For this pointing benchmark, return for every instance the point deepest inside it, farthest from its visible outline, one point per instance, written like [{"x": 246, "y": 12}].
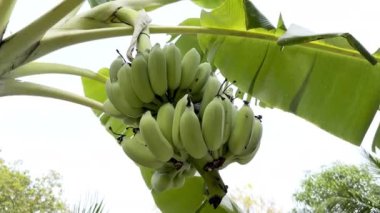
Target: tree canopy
[
  {"x": 339, "y": 188},
  {"x": 21, "y": 193}
]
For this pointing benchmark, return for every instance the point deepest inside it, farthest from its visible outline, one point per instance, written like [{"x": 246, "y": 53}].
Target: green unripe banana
[
  {"x": 115, "y": 96},
  {"x": 203, "y": 73},
  {"x": 178, "y": 110},
  {"x": 211, "y": 90},
  {"x": 162, "y": 181},
  {"x": 253, "y": 145},
  {"x": 153, "y": 137},
  {"x": 173, "y": 66},
  {"x": 140, "y": 79},
  {"x": 125, "y": 81},
  {"x": 165, "y": 117},
  {"x": 157, "y": 70},
  {"x": 137, "y": 150},
  {"x": 104, "y": 118},
  {"x": 241, "y": 130},
  {"x": 213, "y": 124},
  {"x": 255, "y": 137},
  {"x": 191, "y": 133},
  {"x": 228, "y": 110},
  {"x": 189, "y": 171},
  {"x": 110, "y": 109},
  {"x": 178, "y": 180},
  {"x": 114, "y": 68},
  {"x": 189, "y": 65}
]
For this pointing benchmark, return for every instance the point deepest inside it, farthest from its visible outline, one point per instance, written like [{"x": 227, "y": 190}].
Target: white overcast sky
[{"x": 51, "y": 134}]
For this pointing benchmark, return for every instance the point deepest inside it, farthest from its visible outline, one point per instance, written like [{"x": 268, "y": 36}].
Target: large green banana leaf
[{"x": 327, "y": 83}]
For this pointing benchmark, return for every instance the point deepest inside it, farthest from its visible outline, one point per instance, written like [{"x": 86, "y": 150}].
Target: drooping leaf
[
  {"x": 331, "y": 86},
  {"x": 185, "y": 200},
  {"x": 298, "y": 35},
  {"x": 208, "y": 3}
]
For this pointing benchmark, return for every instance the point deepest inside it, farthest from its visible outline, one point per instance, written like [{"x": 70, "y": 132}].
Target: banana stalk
[
  {"x": 216, "y": 189},
  {"x": 15, "y": 49},
  {"x": 6, "y": 8},
  {"x": 16, "y": 87},
  {"x": 37, "y": 68}
]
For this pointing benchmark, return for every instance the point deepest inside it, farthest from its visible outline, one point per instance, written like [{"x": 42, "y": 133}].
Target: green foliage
[
  {"x": 332, "y": 86},
  {"x": 19, "y": 193},
  {"x": 90, "y": 204},
  {"x": 340, "y": 188}
]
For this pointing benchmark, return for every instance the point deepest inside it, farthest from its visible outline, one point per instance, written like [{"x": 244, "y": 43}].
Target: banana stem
[
  {"x": 37, "y": 68},
  {"x": 19, "y": 45},
  {"x": 14, "y": 87},
  {"x": 59, "y": 38},
  {"x": 214, "y": 182},
  {"x": 6, "y": 8},
  {"x": 139, "y": 21}
]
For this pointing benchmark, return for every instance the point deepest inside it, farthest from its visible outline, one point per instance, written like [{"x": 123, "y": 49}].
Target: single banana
[
  {"x": 255, "y": 137},
  {"x": 178, "y": 110},
  {"x": 191, "y": 133},
  {"x": 137, "y": 150},
  {"x": 189, "y": 171},
  {"x": 140, "y": 79},
  {"x": 110, "y": 109},
  {"x": 162, "y": 181},
  {"x": 157, "y": 70},
  {"x": 173, "y": 66},
  {"x": 165, "y": 117},
  {"x": 211, "y": 90},
  {"x": 253, "y": 145},
  {"x": 104, "y": 118},
  {"x": 178, "y": 180},
  {"x": 241, "y": 129},
  {"x": 213, "y": 124},
  {"x": 179, "y": 94},
  {"x": 132, "y": 122},
  {"x": 228, "y": 108},
  {"x": 125, "y": 81},
  {"x": 114, "y": 68},
  {"x": 115, "y": 96},
  {"x": 154, "y": 138},
  {"x": 203, "y": 73},
  {"x": 189, "y": 65}
]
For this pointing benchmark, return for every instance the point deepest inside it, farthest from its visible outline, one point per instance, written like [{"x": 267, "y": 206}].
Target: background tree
[
  {"x": 339, "y": 188},
  {"x": 21, "y": 193}
]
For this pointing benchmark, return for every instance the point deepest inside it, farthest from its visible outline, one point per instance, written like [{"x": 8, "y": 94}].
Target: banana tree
[{"x": 330, "y": 79}]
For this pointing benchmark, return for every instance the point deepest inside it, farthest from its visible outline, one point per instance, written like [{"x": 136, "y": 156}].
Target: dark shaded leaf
[
  {"x": 255, "y": 19},
  {"x": 281, "y": 24}
]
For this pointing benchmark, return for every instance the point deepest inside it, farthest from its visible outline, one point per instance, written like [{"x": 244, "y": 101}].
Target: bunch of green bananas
[{"x": 180, "y": 112}]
